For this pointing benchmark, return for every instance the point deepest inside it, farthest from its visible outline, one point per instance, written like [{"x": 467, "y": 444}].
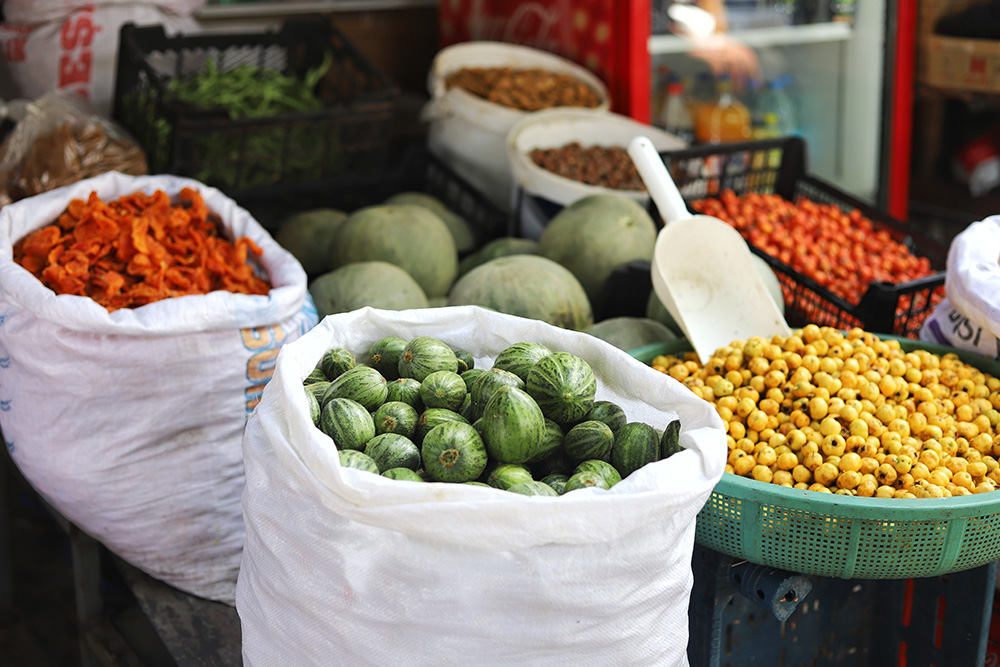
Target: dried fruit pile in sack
[{"x": 138, "y": 249}]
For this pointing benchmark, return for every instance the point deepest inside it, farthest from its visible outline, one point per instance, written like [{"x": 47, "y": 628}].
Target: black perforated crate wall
[
  {"x": 778, "y": 166},
  {"x": 349, "y": 135}
]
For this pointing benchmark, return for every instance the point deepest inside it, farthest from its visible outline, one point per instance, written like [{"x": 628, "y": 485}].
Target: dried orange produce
[{"x": 138, "y": 249}]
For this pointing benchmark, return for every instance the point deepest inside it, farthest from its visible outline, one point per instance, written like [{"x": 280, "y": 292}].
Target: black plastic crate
[
  {"x": 350, "y": 134},
  {"x": 746, "y": 614},
  {"x": 778, "y": 166},
  {"x": 418, "y": 170}
]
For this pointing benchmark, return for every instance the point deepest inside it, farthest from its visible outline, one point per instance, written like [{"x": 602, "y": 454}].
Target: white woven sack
[
  {"x": 75, "y": 48},
  {"x": 345, "y": 567},
  {"x": 130, "y": 422},
  {"x": 36, "y": 11},
  {"x": 469, "y": 132},
  {"x": 969, "y": 317}
]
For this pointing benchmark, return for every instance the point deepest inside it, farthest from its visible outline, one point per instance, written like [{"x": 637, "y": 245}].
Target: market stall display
[
  {"x": 884, "y": 482},
  {"x": 469, "y": 130},
  {"x": 452, "y": 546},
  {"x": 249, "y": 111},
  {"x": 128, "y": 420},
  {"x": 561, "y": 155},
  {"x": 778, "y": 166}
]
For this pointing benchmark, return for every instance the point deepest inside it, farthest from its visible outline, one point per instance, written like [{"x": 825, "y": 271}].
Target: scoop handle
[{"x": 657, "y": 179}]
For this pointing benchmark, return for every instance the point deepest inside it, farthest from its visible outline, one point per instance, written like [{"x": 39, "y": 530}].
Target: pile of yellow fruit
[{"x": 850, "y": 413}]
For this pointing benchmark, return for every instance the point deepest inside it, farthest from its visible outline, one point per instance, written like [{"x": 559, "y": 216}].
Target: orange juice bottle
[{"x": 724, "y": 120}]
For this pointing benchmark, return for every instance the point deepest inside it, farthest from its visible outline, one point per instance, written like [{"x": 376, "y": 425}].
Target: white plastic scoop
[{"x": 702, "y": 269}]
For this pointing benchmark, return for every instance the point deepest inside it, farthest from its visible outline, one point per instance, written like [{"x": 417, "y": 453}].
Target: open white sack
[
  {"x": 346, "y": 567},
  {"x": 969, "y": 316},
  {"x": 130, "y": 422}
]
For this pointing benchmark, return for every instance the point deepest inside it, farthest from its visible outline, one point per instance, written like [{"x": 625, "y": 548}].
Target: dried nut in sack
[
  {"x": 527, "y": 89},
  {"x": 603, "y": 166}
]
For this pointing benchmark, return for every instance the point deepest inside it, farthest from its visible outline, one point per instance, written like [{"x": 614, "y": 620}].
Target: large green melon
[
  {"x": 375, "y": 284},
  {"x": 308, "y": 235},
  {"x": 411, "y": 237},
  {"x": 505, "y": 246},
  {"x": 527, "y": 286},
  {"x": 461, "y": 231},
  {"x": 596, "y": 234},
  {"x": 628, "y": 333}
]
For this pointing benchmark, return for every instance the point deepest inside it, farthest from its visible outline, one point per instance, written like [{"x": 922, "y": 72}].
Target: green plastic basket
[{"x": 847, "y": 536}]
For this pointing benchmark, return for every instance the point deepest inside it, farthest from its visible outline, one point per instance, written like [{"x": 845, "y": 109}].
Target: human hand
[{"x": 725, "y": 55}]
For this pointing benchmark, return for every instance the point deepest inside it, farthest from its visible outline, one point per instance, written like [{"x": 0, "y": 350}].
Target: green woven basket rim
[{"x": 871, "y": 509}]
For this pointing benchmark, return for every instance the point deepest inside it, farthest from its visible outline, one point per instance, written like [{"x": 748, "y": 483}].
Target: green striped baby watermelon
[
  {"x": 470, "y": 377},
  {"x": 363, "y": 384},
  {"x": 335, "y": 362},
  {"x": 317, "y": 389},
  {"x": 392, "y": 450},
  {"x": 520, "y": 357},
  {"x": 558, "y": 462},
  {"x": 513, "y": 426},
  {"x": 316, "y": 375},
  {"x": 453, "y": 452},
  {"x": 506, "y": 475},
  {"x": 384, "y": 354},
  {"x": 533, "y": 488},
  {"x": 487, "y": 384},
  {"x": 347, "y": 422},
  {"x": 636, "y": 444},
  {"x": 552, "y": 441},
  {"x": 314, "y": 409},
  {"x": 352, "y": 458},
  {"x": 589, "y": 440},
  {"x": 670, "y": 442},
  {"x": 557, "y": 481},
  {"x": 608, "y": 412},
  {"x": 582, "y": 480},
  {"x": 403, "y": 473},
  {"x": 405, "y": 390},
  {"x": 443, "y": 389},
  {"x": 602, "y": 468},
  {"x": 465, "y": 360},
  {"x": 423, "y": 355},
  {"x": 564, "y": 387},
  {"x": 396, "y": 417},
  {"x": 432, "y": 417}
]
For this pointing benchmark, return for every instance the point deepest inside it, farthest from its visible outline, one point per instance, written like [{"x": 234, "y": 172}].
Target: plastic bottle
[
  {"x": 774, "y": 111},
  {"x": 660, "y": 84},
  {"x": 701, "y": 94},
  {"x": 676, "y": 117},
  {"x": 725, "y": 120}
]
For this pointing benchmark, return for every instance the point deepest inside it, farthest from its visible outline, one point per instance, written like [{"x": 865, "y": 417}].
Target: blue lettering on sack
[
  {"x": 264, "y": 343},
  {"x": 4, "y": 362},
  {"x": 11, "y": 447},
  {"x": 5, "y": 405}
]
